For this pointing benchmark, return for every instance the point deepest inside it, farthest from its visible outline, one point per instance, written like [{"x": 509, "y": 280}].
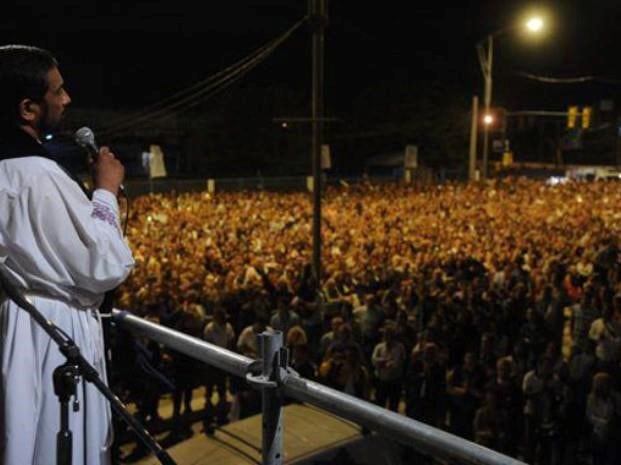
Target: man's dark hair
[{"x": 23, "y": 72}]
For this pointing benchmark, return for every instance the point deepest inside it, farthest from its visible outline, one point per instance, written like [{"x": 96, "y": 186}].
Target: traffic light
[
  {"x": 586, "y": 117},
  {"x": 572, "y": 114}
]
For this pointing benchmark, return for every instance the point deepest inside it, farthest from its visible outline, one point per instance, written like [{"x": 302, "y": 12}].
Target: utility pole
[
  {"x": 474, "y": 132},
  {"x": 318, "y": 20},
  {"x": 487, "y": 66}
]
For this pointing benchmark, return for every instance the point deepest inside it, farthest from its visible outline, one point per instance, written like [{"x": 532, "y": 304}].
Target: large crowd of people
[{"x": 491, "y": 310}]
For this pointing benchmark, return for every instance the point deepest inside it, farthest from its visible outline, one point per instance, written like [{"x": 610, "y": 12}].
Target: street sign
[{"x": 411, "y": 157}]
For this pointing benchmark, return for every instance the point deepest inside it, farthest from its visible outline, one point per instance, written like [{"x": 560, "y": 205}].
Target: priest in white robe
[{"x": 64, "y": 250}]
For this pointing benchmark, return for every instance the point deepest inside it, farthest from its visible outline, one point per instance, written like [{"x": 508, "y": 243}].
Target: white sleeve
[{"x": 57, "y": 239}]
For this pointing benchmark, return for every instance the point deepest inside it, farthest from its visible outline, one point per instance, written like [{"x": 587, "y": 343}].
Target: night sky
[
  {"x": 130, "y": 53},
  {"x": 387, "y": 64}
]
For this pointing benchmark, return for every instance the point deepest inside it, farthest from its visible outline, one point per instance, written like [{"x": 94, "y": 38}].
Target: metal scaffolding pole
[{"x": 272, "y": 357}]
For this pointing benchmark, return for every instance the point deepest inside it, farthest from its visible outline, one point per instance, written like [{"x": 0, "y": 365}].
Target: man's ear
[{"x": 28, "y": 110}]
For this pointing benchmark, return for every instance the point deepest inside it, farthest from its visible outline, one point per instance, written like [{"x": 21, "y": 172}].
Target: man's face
[{"x": 53, "y": 104}]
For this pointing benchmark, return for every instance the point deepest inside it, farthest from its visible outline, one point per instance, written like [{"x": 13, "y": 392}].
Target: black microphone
[{"x": 85, "y": 138}]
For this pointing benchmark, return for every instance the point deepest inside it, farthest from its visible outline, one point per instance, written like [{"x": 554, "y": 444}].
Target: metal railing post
[
  {"x": 271, "y": 345},
  {"x": 273, "y": 362}
]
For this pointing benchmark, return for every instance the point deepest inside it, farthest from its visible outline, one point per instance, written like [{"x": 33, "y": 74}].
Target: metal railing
[{"x": 271, "y": 374}]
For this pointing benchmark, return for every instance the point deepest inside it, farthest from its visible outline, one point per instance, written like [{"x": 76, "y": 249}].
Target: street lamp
[
  {"x": 485, "y": 53},
  {"x": 534, "y": 24}
]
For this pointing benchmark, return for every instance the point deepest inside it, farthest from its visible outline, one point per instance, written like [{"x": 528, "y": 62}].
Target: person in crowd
[
  {"x": 220, "y": 333},
  {"x": 247, "y": 401},
  {"x": 464, "y": 388},
  {"x": 536, "y": 400},
  {"x": 485, "y": 424},
  {"x": 296, "y": 336},
  {"x": 605, "y": 332},
  {"x": 302, "y": 363},
  {"x": 284, "y": 318},
  {"x": 404, "y": 331},
  {"x": 370, "y": 317},
  {"x": 425, "y": 385},
  {"x": 508, "y": 397},
  {"x": 533, "y": 336},
  {"x": 247, "y": 343},
  {"x": 328, "y": 337},
  {"x": 389, "y": 359},
  {"x": 311, "y": 321},
  {"x": 187, "y": 373},
  {"x": 584, "y": 314},
  {"x": 343, "y": 370},
  {"x": 601, "y": 412},
  {"x": 547, "y": 398}
]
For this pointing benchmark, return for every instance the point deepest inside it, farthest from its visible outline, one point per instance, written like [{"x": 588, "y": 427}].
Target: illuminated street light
[
  {"x": 535, "y": 24},
  {"x": 488, "y": 119},
  {"x": 485, "y": 53}
]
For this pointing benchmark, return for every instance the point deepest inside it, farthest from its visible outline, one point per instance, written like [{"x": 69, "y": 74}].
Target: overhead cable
[
  {"x": 200, "y": 91},
  {"x": 572, "y": 80}
]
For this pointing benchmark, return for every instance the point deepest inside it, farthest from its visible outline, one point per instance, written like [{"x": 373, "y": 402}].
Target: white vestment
[{"x": 64, "y": 252}]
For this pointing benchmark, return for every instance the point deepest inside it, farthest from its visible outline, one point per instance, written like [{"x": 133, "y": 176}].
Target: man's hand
[{"x": 108, "y": 172}]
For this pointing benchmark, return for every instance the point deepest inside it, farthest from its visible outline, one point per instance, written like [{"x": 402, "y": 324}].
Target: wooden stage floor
[{"x": 307, "y": 431}]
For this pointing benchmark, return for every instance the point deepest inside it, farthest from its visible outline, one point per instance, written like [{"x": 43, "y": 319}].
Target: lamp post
[{"x": 485, "y": 53}]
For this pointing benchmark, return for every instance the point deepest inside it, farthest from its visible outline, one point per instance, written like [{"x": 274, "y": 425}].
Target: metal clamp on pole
[
  {"x": 273, "y": 363},
  {"x": 271, "y": 370}
]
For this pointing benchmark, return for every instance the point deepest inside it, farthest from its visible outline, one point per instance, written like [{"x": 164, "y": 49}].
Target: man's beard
[{"x": 46, "y": 124}]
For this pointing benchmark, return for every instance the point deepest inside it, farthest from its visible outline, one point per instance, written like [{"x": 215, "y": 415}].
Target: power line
[
  {"x": 177, "y": 95},
  {"x": 572, "y": 80},
  {"x": 201, "y": 91},
  {"x": 205, "y": 87}
]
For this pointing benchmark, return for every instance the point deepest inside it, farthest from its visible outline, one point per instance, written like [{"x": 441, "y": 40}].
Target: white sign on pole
[
  {"x": 157, "y": 168},
  {"x": 410, "y": 161},
  {"x": 326, "y": 159}
]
